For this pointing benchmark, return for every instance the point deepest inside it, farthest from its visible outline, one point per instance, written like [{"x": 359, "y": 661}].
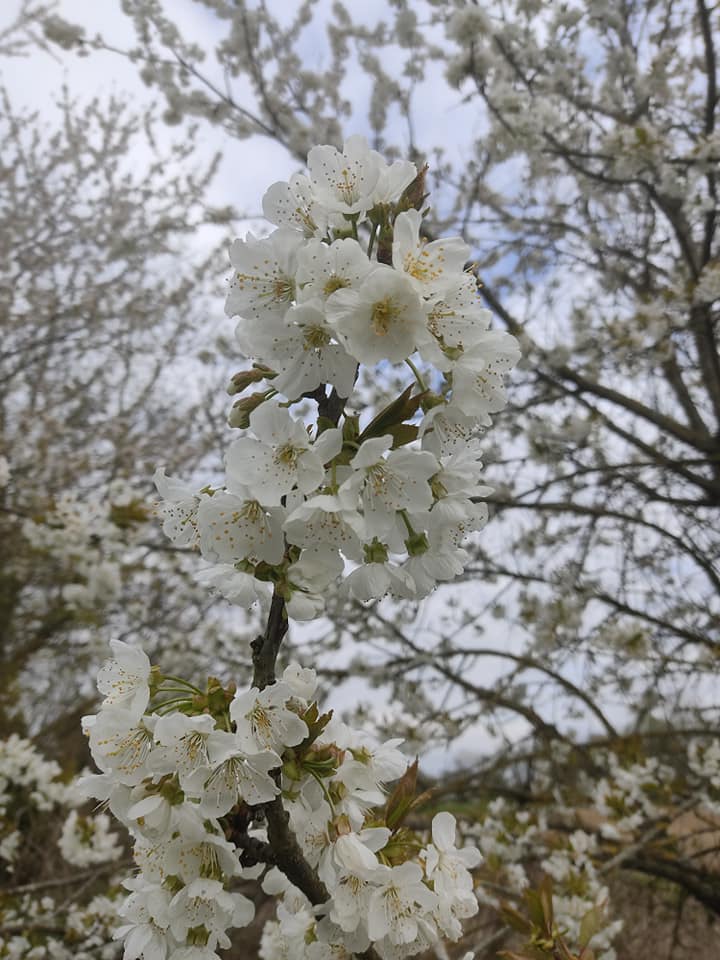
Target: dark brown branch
[
  {"x": 266, "y": 646},
  {"x": 701, "y": 884}
]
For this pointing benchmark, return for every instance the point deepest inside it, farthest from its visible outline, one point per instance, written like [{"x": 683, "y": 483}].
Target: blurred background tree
[{"x": 573, "y": 672}]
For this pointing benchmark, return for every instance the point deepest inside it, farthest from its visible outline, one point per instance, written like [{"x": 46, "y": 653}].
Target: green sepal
[
  {"x": 417, "y": 544},
  {"x": 375, "y": 552}
]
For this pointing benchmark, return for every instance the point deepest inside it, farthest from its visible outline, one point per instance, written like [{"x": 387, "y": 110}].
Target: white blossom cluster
[
  {"x": 347, "y": 279},
  {"x": 704, "y": 761},
  {"x": 512, "y": 839},
  {"x": 27, "y": 780},
  {"x": 579, "y": 889},
  {"x": 85, "y": 841},
  {"x": 33, "y": 924},
  {"x": 632, "y": 795},
  {"x": 92, "y": 539},
  {"x": 191, "y": 775},
  {"x": 39, "y": 929}
]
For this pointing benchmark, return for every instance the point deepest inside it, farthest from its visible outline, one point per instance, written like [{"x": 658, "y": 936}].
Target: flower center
[
  {"x": 261, "y": 724},
  {"x": 384, "y": 313},
  {"x": 251, "y": 510},
  {"x": 315, "y": 338},
  {"x": 195, "y": 747},
  {"x": 287, "y": 455},
  {"x": 421, "y": 266},
  {"x": 283, "y": 289},
  {"x": 346, "y": 186},
  {"x": 333, "y": 283}
]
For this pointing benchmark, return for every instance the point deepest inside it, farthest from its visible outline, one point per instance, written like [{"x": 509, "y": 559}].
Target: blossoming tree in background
[{"x": 586, "y": 193}]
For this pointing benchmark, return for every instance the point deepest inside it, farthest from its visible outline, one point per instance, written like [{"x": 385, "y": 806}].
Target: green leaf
[
  {"x": 403, "y": 433},
  {"x": 515, "y": 919},
  {"x": 402, "y": 408},
  {"x": 591, "y": 924},
  {"x": 400, "y": 800}
]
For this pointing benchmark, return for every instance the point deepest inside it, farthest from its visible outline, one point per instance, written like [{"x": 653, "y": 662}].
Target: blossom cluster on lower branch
[
  {"x": 200, "y": 777},
  {"x": 61, "y": 914}
]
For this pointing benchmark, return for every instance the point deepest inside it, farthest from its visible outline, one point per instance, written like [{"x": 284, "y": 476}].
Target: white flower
[
  {"x": 264, "y": 282},
  {"x": 194, "y": 953},
  {"x": 312, "y": 830},
  {"x": 323, "y": 270},
  {"x": 448, "y": 524},
  {"x": 124, "y": 679},
  {"x": 368, "y": 765},
  {"x": 398, "y": 899},
  {"x": 194, "y": 853},
  {"x": 179, "y": 509},
  {"x": 383, "y": 319},
  {"x": 309, "y": 577},
  {"x": 445, "y": 864},
  {"x": 459, "y": 320},
  {"x": 301, "y": 680},
  {"x": 292, "y": 204},
  {"x": 263, "y": 721},
  {"x": 387, "y": 484},
  {"x": 285, "y": 458},
  {"x": 393, "y": 180},
  {"x": 236, "y": 586},
  {"x": 120, "y": 744},
  {"x": 355, "y": 852},
  {"x": 477, "y": 375},
  {"x": 146, "y": 909},
  {"x": 344, "y": 182},
  {"x": 445, "y": 430},
  {"x": 206, "y": 903},
  {"x": 372, "y": 581},
  {"x": 300, "y": 349},
  {"x": 233, "y": 776},
  {"x": 350, "y": 901},
  {"x": 183, "y": 743},
  {"x": 317, "y": 567},
  {"x": 151, "y": 815},
  {"x": 9, "y": 845},
  {"x": 232, "y": 528},
  {"x": 327, "y": 519},
  {"x": 433, "y": 268}
]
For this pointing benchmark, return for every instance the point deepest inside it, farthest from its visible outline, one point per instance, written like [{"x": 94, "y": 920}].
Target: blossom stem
[
  {"x": 406, "y": 521},
  {"x": 171, "y": 703},
  {"x": 416, "y": 372},
  {"x": 371, "y": 242},
  {"x": 322, "y": 786},
  {"x": 181, "y": 682}
]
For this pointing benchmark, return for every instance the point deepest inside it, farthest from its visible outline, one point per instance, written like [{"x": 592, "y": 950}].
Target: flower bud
[
  {"x": 243, "y": 378},
  {"x": 240, "y": 414},
  {"x": 414, "y": 195}
]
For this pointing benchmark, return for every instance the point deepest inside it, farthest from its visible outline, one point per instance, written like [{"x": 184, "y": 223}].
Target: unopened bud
[
  {"x": 414, "y": 195},
  {"x": 384, "y": 245},
  {"x": 240, "y": 414},
  {"x": 243, "y": 378}
]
